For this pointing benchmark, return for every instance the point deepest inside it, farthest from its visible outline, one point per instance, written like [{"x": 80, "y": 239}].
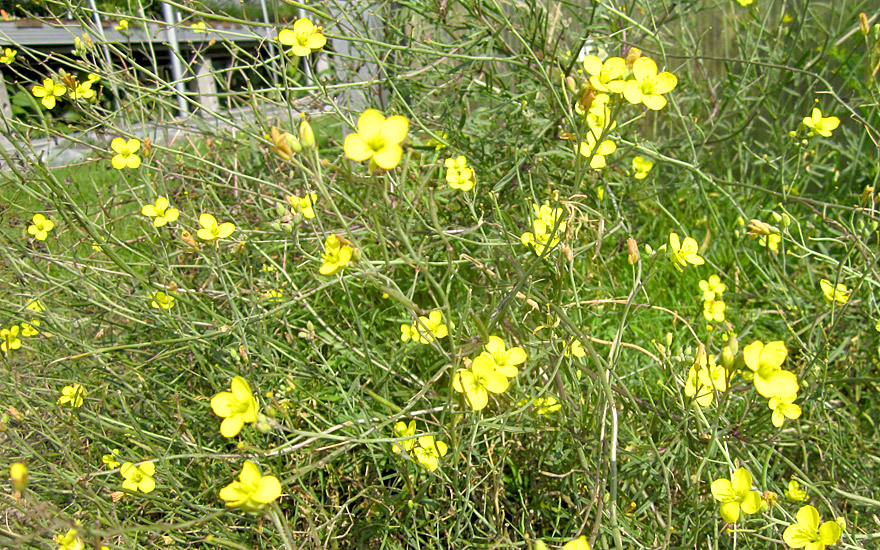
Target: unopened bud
[
  {"x": 571, "y": 84},
  {"x": 586, "y": 99},
  {"x": 306, "y": 134},
  {"x": 757, "y": 227},
  {"x": 633, "y": 56},
  {"x": 727, "y": 357},
  {"x": 632, "y": 248},
  {"x": 864, "y": 26}
]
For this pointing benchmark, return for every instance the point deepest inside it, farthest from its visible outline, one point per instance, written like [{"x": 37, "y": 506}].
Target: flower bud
[
  {"x": 757, "y": 227},
  {"x": 571, "y": 84},
  {"x": 864, "y": 26},
  {"x": 633, "y": 56},
  {"x": 306, "y": 134},
  {"x": 632, "y": 251}
]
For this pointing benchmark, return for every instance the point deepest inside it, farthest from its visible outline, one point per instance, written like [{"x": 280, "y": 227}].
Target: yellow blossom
[
  {"x": 211, "y": 230},
  {"x": 110, "y": 459},
  {"x": 794, "y": 493},
  {"x": 770, "y": 241},
  {"x": 648, "y": 87},
  {"x": 501, "y": 359},
  {"x": 546, "y": 405},
  {"x": 82, "y": 90},
  {"x": 304, "y": 206},
  {"x": 809, "y": 533},
  {"x": 41, "y": 227},
  {"x": 122, "y": 26},
  {"x": 8, "y": 56},
  {"x": 641, "y": 166},
  {"x": 712, "y": 288},
  {"x": 784, "y": 407},
  {"x": 252, "y": 491},
  {"x": 595, "y": 150},
  {"x": 236, "y": 407},
  {"x": 736, "y": 495},
  {"x": 428, "y": 452},
  {"x": 704, "y": 377},
  {"x": 125, "y": 156},
  {"x": 478, "y": 382},
  {"x": 713, "y": 310},
  {"x": 18, "y": 473},
  {"x": 607, "y": 76},
  {"x": 162, "y": 300},
  {"x": 138, "y": 477},
  {"x": 425, "y": 329},
  {"x": 576, "y": 349},
  {"x": 404, "y": 430},
  {"x": 765, "y": 361},
  {"x": 819, "y": 125},
  {"x": 161, "y": 211},
  {"x": 579, "y": 543},
  {"x": 336, "y": 255},
  {"x": 304, "y": 39},
  {"x": 834, "y": 293},
  {"x": 458, "y": 174},
  {"x": 69, "y": 541},
  {"x": 72, "y": 396},
  {"x": 30, "y": 329},
  {"x": 377, "y": 139},
  {"x": 199, "y": 27},
  {"x": 9, "y": 339},
  {"x": 48, "y": 92},
  {"x": 684, "y": 253}
]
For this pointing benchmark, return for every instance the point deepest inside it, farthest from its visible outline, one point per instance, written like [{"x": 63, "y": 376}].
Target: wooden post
[
  {"x": 5, "y": 105},
  {"x": 206, "y": 86}
]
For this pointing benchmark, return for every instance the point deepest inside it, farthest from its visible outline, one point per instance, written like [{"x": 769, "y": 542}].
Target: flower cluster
[
  {"x": 425, "y": 449},
  {"x": 488, "y": 372},
  {"x": 548, "y": 225},
  {"x": 304, "y": 206},
  {"x": 713, "y": 305},
  {"x": 458, "y": 174},
  {"x": 705, "y": 377},
  {"x": 426, "y": 329}
]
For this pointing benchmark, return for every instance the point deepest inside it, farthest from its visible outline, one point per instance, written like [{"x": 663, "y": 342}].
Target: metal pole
[{"x": 176, "y": 68}]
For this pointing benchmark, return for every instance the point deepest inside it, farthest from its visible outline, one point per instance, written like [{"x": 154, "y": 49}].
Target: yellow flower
[
  {"x": 607, "y": 76},
  {"x": 41, "y": 227},
  {"x": 36, "y": 305},
  {"x": 83, "y": 90},
  {"x": 546, "y": 405},
  {"x": 404, "y": 430},
  {"x": 641, "y": 166},
  {"x": 458, "y": 174},
  {"x": 713, "y": 288},
  {"x": 770, "y": 241},
  {"x": 745, "y": 3},
  {"x": 138, "y": 478},
  {"x": 735, "y": 495},
  {"x": 30, "y": 329},
  {"x": 543, "y": 236},
  {"x": 377, "y": 139},
  {"x": 237, "y": 407},
  {"x": 18, "y": 473},
  {"x": 648, "y": 86},
  {"x": 69, "y": 541},
  {"x": 125, "y": 156},
  {"x": 304, "y": 39},
  {"x": 122, "y": 26},
  {"x": 48, "y": 92},
  {"x": 478, "y": 382},
  {"x": 704, "y": 377},
  {"x": 8, "y": 56},
  {"x": 162, "y": 300},
  {"x": 425, "y": 329},
  {"x": 9, "y": 339},
  {"x": 714, "y": 310},
  {"x": 336, "y": 255},
  {"x": 198, "y": 27},
  {"x": 161, "y": 211},
  {"x": 808, "y": 533},
  {"x": 72, "y": 396},
  {"x": 766, "y": 363},
  {"x": 834, "y": 293},
  {"x": 501, "y": 359},
  {"x": 252, "y": 491},
  {"x": 273, "y": 295},
  {"x": 595, "y": 150},
  {"x": 819, "y": 125},
  {"x": 579, "y": 543},
  {"x": 683, "y": 253},
  {"x": 211, "y": 230},
  {"x": 429, "y": 451},
  {"x": 305, "y": 206},
  {"x": 794, "y": 493},
  {"x": 576, "y": 349},
  {"x": 784, "y": 407},
  {"x": 110, "y": 459}
]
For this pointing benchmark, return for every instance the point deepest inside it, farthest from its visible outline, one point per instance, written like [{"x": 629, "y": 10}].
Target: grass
[{"x": 628, "y": 458}]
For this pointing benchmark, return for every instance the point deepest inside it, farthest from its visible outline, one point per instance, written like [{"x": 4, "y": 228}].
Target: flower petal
[{"x": 356, "y": 148}]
